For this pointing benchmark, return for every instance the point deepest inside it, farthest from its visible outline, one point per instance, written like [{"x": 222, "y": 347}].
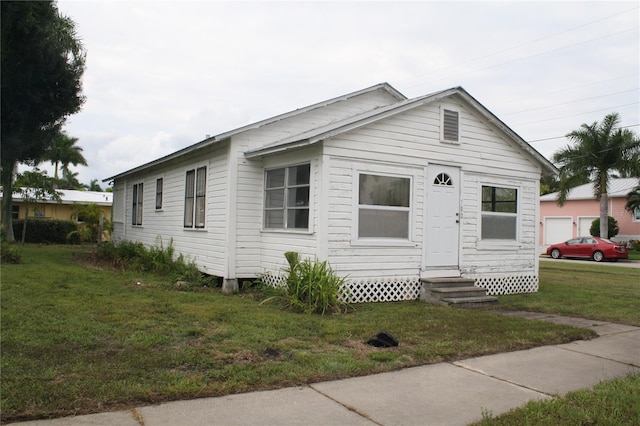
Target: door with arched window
[{"x": 442, "y": 216}]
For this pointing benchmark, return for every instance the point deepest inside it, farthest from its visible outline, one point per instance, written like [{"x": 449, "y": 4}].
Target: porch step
[{"x": 456, "y": 292}]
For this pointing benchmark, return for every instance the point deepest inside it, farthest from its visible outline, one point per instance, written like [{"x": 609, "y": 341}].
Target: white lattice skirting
[
  {"x": 395, "y": 289},
  {"x": 383, "y": 289},
  {"x": 507, "y": 284},
  {"x": 367, "y": 289}
]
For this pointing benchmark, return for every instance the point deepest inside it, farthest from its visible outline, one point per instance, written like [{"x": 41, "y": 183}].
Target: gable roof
[
  {"x": 617, "y": 188},
  {"x": 316, "y": 135},
  {"x": 71, "y": 196},
  {"x": 226, "y": 135}
]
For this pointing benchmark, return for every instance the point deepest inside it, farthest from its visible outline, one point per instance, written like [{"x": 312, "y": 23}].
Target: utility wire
[
  {"x": 571, "y": 102},
  {"x": 564, "y": 137},
  {"x": 534, "y": 41},
  {"x": 576, "y": 115}
]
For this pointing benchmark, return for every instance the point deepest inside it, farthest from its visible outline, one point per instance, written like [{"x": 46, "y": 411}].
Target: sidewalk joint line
[
  {"x": 597, "y": 356},
  {"x": 348, "y": 407},
  {"x": 473, "y": 370}
]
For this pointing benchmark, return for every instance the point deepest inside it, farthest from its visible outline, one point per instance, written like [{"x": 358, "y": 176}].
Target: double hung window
[
  {"x": 383, "y": 206},
  {"x": 136, "y": 208},
  {"x": 159, "y": 185},
  {"x": 286, "y": 203},
  {"x": 195, "y": 198},
  {"x": 499, "y": 213}
]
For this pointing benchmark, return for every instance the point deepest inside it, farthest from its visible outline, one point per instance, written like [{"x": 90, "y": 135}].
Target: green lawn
[
  {"x": 634, "y": 255},
  {"x": 608, "y": 403},
  {"x": 80, "y": 337},
  {"x": 584, "y": 289}
]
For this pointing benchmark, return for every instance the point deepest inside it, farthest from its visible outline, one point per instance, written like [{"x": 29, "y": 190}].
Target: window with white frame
[
  {"x": 136, "y": 208},
  {"x": 450, "y": 125},
  {"x": 195, "y": 197},
  {"x": 636, "y": 214},
  {"x": 383, "y": 206},
  {"x": 286, "y": 197},
  {"x": 499, "y": 213},
  {"x": 159, "y": 189}
]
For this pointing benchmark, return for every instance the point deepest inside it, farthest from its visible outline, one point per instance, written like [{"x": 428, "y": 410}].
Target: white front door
[{"x": 442, "y": 216}]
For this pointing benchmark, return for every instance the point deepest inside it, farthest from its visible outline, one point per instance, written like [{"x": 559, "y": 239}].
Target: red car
[{"x": 595, "y": 248}]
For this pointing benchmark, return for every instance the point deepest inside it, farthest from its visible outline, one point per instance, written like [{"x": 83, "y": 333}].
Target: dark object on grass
[{"x": 383, "y": 340}]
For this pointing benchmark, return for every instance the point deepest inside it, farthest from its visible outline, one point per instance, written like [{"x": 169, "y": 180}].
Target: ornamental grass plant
[{"x": 313, "y": 287}]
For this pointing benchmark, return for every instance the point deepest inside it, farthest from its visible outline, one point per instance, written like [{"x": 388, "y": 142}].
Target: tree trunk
[
  {"x": 7, "y": 195},
  {"x": 604, "y": 215},
  {"x": 24, "y": 224}
]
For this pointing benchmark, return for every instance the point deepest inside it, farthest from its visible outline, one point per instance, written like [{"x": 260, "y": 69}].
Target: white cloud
[{"x": 162, "y": 75}]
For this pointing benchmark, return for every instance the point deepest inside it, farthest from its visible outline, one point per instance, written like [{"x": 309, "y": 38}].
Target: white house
[{"x": 389, "y": 190}]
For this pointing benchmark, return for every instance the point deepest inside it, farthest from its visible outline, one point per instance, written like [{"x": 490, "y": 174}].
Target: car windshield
[{"x": 607, "y": 241}]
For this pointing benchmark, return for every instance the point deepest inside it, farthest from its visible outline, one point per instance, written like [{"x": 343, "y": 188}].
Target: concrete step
[
  {"x": 470, "y": 302},
  {"x": 447, "y": 282},
  {"x": 456, "y": 292}
]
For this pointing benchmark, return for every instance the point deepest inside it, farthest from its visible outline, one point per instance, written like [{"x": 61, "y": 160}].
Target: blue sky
[{"x": 161, "y": 75}]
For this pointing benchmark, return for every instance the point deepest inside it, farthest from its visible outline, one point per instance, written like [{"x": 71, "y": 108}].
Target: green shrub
[
  {"x": 136, "y": 256},
  {"x": 635, "y": 244},
  {"x": 89, "y": 227},
  {"x": 613, "y": 227},
  {"x": 312, "y": 286},
  {"x": 10, "y": 253},
  {"x": 45, "y": 231}
]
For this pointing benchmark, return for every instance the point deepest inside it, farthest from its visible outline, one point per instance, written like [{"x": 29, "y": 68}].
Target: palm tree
[
  {"x": 63, "y": 152},
  {"x": 633, "y": 200},
  {"x": 94, "y": 185},
  {"x": 598, "y": 150}
]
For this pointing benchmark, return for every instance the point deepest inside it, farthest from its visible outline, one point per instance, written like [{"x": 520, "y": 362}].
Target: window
[
  {"x": 443, "y": 179},
  {"x": 286, "y": 202},
  {"x": 450, "y": 125},
  {"x": 383, "y": 206},
  {"x": 195, "y": 197},
  {"x": 15, "y": 212},
  {"x": 159, "y": 184},
  {"x": 636, "y": 214},
  {"x": 136, "y": 210},
  {"x": 499, "y": 213}
]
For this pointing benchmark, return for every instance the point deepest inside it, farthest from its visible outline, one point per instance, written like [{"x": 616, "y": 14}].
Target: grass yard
[
  {"x": 80, "y": 338},
  {"x": 608, "y": 403},
  {"x": 596, "y": 291}
]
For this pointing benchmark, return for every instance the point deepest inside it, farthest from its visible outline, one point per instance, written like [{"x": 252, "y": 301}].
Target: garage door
[
  {"x": 557, "y": 229},
  {"x": 584, "y": 225}
]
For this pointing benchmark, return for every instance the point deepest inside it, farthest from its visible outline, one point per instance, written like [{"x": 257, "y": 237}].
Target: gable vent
[{"x": 450, "y": 125}]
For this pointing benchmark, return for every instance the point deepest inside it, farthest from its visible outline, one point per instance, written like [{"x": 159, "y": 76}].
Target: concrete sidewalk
[{"x": 454, "y": 393}]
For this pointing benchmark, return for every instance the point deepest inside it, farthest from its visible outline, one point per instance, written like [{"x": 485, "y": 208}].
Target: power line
[
  {"x": 564, "y": 137},
  {"x": 533, "y": 42},
  {"x": 576, "y": 115},
  {"x": 571, "y": 102}
]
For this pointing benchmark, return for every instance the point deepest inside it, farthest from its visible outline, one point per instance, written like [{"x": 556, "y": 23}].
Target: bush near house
[
  {"x": 46, "y": 231},
  {"x": 613, "y": 227}
]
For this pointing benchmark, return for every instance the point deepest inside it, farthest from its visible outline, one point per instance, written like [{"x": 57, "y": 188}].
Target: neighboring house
[
  {"x": 387, "y": 189},
  {"x": 63, "y": 209},
  {"x": 574, "y": 218}
]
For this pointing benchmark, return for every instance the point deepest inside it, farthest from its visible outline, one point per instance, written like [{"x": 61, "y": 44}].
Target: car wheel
[
  {"x": 598, "y": 256},
  {"x": 555, "y": 253}
]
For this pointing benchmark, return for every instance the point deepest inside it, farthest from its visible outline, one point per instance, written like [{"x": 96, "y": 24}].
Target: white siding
[
  {"x": 206, "y": 247},
  {"x": 410, "y": 143},
  {"x": 269, "y": 246},
  {"x": 235, "y": 245}
]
